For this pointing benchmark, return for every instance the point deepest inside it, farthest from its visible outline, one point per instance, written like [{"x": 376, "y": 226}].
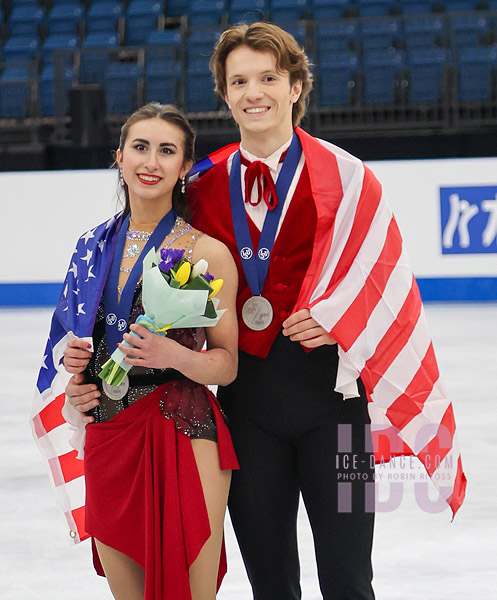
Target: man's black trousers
[{"x": 293, "y": 434}]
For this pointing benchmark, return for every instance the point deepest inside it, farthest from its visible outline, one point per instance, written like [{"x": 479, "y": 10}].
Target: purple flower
[
  {"x": 170, "y": 257},
  {"x": 208, "y": 276}
]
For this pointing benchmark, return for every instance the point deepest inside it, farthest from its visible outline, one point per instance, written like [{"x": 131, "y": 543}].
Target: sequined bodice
[{"x": 191, "y": 338}]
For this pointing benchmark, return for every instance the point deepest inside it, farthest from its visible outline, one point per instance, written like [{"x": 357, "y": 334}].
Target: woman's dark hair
[{"x": 171, "y": 115}]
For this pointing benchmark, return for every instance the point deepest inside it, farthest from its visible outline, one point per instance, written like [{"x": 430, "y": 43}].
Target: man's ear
[
  {"x": 296, "y": 90},
  {"x": 227, "y": 103}
]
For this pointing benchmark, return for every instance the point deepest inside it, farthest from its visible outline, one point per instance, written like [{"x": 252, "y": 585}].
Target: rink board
[{"x": 446, "y": 210}]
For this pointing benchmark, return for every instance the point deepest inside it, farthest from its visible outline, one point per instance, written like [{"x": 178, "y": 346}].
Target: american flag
[
  {"x": 361, "y": 289},
  {"x": 73, "y": 316}
]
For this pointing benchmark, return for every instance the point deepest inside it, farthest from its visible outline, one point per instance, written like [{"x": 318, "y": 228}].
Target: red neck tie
[{"x": 257, "y": 170}]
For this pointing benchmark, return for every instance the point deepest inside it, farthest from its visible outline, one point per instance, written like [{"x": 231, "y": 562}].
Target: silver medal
[
  {"x": 116, "y": 392},
  {"x": 257, "y": 313}
]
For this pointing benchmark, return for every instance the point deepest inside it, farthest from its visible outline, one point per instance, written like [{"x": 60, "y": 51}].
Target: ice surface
[{"x": 417, "y": 555}]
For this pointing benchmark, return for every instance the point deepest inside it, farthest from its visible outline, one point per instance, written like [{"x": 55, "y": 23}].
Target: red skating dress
[{"x": 143, "y": 491}]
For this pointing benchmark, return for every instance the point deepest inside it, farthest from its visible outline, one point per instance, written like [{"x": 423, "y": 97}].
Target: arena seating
[
  {"x": 366, "y": 53},
  {"x": 248, "y": 10},
  {"x": 142, "y": 17},
  {"x": 65, "y": 18}
]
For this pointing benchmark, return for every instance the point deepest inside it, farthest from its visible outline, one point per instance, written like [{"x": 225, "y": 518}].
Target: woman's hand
[
  {"x": 150, "y": 350},
  {"x": 301, "y": 327},
  {"x": 216, "y": 366},
  {"x": 82, "y": 396},
  {"x": 77, "y": 355}
]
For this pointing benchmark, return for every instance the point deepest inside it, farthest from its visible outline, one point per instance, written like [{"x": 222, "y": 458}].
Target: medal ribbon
[
  {"x": 255, "y": 266},
  {"x": 117, "y": 312}
]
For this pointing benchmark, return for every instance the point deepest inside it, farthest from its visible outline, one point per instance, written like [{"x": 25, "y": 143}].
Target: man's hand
[
  {"x": 77, "y": 355},
  {"x": 301, "y": 327},
  {"x": 82, "y": 396}
]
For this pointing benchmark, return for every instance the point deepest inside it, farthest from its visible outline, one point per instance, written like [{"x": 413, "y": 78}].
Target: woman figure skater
[{"x": 158, "y": 455}]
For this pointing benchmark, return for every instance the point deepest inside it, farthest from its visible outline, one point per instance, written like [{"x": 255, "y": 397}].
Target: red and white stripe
[
  {"x": 52, "y": 434},
  {"x": 364, "y": 293}
]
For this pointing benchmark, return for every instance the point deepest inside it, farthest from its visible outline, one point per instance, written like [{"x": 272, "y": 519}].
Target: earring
[
  {"x": 183, "y": 185},
  {"x": 121, "y": 178}
]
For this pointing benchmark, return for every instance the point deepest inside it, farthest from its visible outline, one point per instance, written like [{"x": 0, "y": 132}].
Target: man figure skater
[{"x": 315, "y": 246}]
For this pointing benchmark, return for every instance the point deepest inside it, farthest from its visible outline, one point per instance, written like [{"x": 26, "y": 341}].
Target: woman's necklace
[
  {"x": 133, "y": 250},
  {"x": 179, "y": 229}
]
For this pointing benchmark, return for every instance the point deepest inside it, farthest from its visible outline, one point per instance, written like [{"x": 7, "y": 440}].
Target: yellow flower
[
  {"x": 183, "y": 273},
  {"x": 163, "y": 329},
  {"x": 216, "y": 285}
]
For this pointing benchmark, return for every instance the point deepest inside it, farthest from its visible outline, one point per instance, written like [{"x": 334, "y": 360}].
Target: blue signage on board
[{"x": 469, "y": 219}]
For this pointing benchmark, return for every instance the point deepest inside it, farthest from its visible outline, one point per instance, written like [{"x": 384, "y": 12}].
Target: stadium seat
[
  {"x": 328, "y": 9},
  {"x": 460, "y": 5},
  {"x": 476, "y": 73},
  {"x": 199, "y": 92},
  {"x": 201, "y": 43},
  {"x": 413, "y": 7},
  {"x": 162, "y": 61},
  {"x": 375, "y": 8},
  {"x": 468, "y": 30},
  {"x": 298, "y": 30},
  {"x": 339, "y": 36},
  {"x": 59, "y": 41},
  {"x": 338, "y": 79},
  {"x": 105, "y": 39},
  {"x": 287, "y": 10},
  {"x": 103, "y": 16},
  {"x": 121, "y": 80},
  {"x": 142, "y": 18},
  {"x": 176, "y": 8},
  {"x": 424, "y": 32},
  {"x": 206, "y": 12},
  {"x": 54, "y": 97},
  {"x": 384, "y": 33},
  {"x": 96, "y": 52},
  {"x": 168, "y": 38},
  {"x": 247, "y": 11},
  {"x": 65, "y": 18},
  {"x": 14, "y": 93},
  {"x": 426, "y": 74},
  {"x": 21, "y": 48},
  {"x": 24, "y": 3},
  {"x": 381, "y": 76},
  {"x": 26, "y": 19},
  {"x": 161, "y": 81}
]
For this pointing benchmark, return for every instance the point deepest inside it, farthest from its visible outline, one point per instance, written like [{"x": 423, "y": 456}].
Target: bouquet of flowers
[{"x": 175, "y": 293}]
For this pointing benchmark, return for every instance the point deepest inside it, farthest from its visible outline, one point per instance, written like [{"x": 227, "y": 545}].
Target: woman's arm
[{"x": 218, "y": 365}]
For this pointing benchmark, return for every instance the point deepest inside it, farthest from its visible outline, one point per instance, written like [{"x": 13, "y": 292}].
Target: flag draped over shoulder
[
  {"x": 209, "y": 161},
  {"x": 360, "y": 288},
  {"x": 73, "y": 316}
]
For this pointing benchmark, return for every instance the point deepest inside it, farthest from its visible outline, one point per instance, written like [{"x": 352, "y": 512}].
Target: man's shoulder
[
  {"x": 216, "y": 172},
  {"x": 325, "y": 148}
]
